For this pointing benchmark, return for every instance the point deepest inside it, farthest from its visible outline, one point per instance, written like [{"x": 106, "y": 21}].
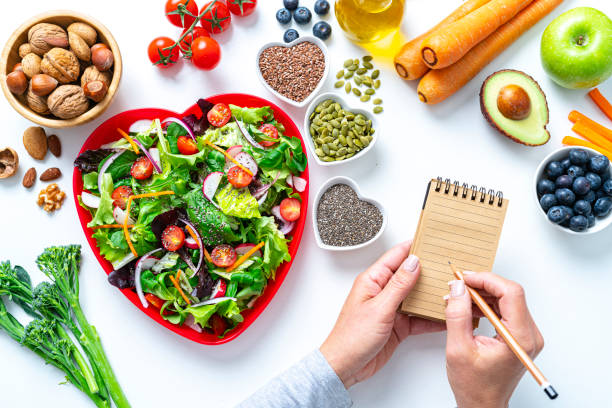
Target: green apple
[{"x": 576, "y": 48}]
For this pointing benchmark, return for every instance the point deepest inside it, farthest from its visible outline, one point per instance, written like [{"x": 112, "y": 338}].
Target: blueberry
[
  {"x": 594, "y": 179},
  {"x": 602, "y": 206},
  {"x": 581, "y": 186},
  {"x": 283, "y": 16},
  {"x": 591, "y": 219},
  {"x": 322, "y": 30},
  {"x": 554, "y": 170},
  {"x": 607, "y": 187},
  {"x": 582, "y": 207},
  {"x": 565, "y": 196},
  {"x": 575, "y": 171},
  {"x": 302, "y": 15},
  {"x": 321, "y": 7},
  {"x": 606, "y": 176},
  {"x": 578, "y": 156},
  {"x": 556, "y": 214},
  {"x": 599, "y": 164},
  {"x": 290, "y": 35},
  {"x": 291, "y": 4},
  {"x": 599, "y": 194},
  {"x": 564, "y": 181},
  {"x": 579, "y": 223},
  {"x": 547, "y": 201},
  {"x": 545, "y": 187},
  {"x": 590, "y": 197},
  {"x": 565, "y": 163},
  {"x": 569, "y": 212}
]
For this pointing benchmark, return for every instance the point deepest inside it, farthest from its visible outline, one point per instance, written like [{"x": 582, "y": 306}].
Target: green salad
[{"x": 194, "y": 213}]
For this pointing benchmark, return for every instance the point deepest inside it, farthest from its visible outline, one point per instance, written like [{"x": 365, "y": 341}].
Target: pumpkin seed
[
  {"x": 319, "y": 152},
  {"x": 369, "y": 91},
  {"x": 368, "y": 64},
  {"x": 353, "y": 67},
  {"x": 377, "y": 84},
  {"x": 340, "y": 74},
  {"x": 365, "y": 98},
  {"x": 357, "y": 80},
  {"x": 356, "y": 61},
  {"x": 377, "y": 101},
  {"x": 338, "y": 158},
  {"x": 361, "y": 71},
  {"x": 348, "y": 63},
  {"x": 328, "y": 158},
  {"x": 347, "y": 87},
  {"x": 367, "y": 58},
  {"x": 378, "y": 109},
  {"x": 338, "y": 84},
  {"x": 325, "y": 148},
  {"x": 375, "y": 74},
  {"x": 348, "y": 74},
  {"x": 356, "y": 91}
]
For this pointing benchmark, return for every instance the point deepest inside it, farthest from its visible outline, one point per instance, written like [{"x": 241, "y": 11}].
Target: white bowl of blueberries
[{"x": 574, "y": 190}]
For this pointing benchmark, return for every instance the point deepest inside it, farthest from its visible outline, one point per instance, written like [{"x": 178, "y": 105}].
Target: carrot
[
  {"x": 220, "y": 150},
  {"x": 130, "y": 140},
  {"x": 207, "y": 255},
  {"x": 408, "y": 62},
  {"x": 439, "y": 84},
  {"x": 110, "y": 226},
  {"x": 574, "y": 141},
  {"x": 126, "y": 233},
  {"x": 192, "y": 233},
  {"x": 592, "y": 136},
  {"x": 576, "y": 116},
  {"x": 601, "y": 102},
  {"x": 244, "y": 257},
  {"x": 178, "y": 287}
]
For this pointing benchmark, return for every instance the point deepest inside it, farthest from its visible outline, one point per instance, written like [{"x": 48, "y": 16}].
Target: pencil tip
[{"x": 550, "y": 391}]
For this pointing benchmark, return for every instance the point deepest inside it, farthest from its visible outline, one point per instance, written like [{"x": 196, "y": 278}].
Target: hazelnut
[
  {"x": 24, "y": 49},
  {"x": 9, "y": 162},
  {"x": 91, "y": 73},
  {"x": 68, "y": 101},
  {"x": 43, "y": 84},
  {"x": 98, "y": 46},
  {"x": 42, "y": 37},
  {"x": 103, "y": 59},
  {"x": 30, "y": 65},
  {"x": 513, "y": 102},
  {"x": 37, "y": 103},
  {"x": 95, "y": 90},
  {"x": 79, "y": 47},
  {"x": 17, "y": 82},
  {"x": 85, "y": 31},
  {"x": 17, "y": 67},
  {"x": 61, "y": 64},
  {"x": 35, "y": 142}
]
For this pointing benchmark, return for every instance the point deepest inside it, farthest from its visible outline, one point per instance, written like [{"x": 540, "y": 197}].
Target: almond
[
  {"x": 51, "y": 173},
  {"x": 55, "y": 146},
  {"x": 35, "y": 142},
  {"x": 29, "y": 178}
]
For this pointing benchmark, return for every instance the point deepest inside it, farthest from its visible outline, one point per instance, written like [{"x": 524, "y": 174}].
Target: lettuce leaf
[
  {"x": 122, "y": 165},
  {"x": 275, "y": 250},
  {"x": 253, "y": 116},
  {"x": 226, "y": 308},
  {"x": 226, "y": 136},
  {"x": 90, "y": 181},
  {"x": 214, "y": 226},
  {"x": 172, "y": 160},
  {"x": 110, "y": 248},
  {"x": 237, "y": 202},
  {"x": 104, "y": 213}
]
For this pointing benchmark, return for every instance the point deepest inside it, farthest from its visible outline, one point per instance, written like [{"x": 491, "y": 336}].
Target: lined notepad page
[{"x": 456, "y": 225}]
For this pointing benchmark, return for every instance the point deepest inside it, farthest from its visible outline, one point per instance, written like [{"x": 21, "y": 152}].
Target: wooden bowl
[{"x": 10, "y": 57}]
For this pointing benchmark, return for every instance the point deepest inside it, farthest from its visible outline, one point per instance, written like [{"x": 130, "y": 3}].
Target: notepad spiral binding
[{"x": 475, "y": 191}]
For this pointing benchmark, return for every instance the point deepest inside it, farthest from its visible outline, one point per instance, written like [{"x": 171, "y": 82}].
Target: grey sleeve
[{"x": 311, "y": 383}]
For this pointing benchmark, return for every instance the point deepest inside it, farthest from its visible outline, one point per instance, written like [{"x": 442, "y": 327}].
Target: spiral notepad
[{"x": 461, "y": 224}]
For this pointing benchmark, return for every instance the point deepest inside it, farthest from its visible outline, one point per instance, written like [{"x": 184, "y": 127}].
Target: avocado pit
[{"x": 513, "y": 102}]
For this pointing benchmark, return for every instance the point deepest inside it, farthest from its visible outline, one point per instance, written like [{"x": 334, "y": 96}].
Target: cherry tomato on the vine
[
  {"x": 188, "y": 39},
  {"x": 174, "y": 9},
  {"x": 206, "y": 53},
  {"x": 271, "y": 131},
  {"x": 217, "y": 17},
  {"x": 241, "y": 7},
  {"x": 219, "y": 115},
  {"x": 156, "y": 50},
  {"x": 186, "y": 145}
]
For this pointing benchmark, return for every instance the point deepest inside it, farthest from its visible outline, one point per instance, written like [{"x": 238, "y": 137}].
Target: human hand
[
  {"x": 369, "y": 328},
  {"x": 483, "y": 371}
]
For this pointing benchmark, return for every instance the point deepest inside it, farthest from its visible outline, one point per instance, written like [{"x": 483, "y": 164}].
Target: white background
[{"x": 567, "y": 278}]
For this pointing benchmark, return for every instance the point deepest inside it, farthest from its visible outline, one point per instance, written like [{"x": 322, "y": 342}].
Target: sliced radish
[
  {"x": 260, "y": 191},
  {"x": 233, "y": 151},
  {"x": 299, "y": 184},
  {"x": 247, "y": 135},
  {"x": 261, "y": 199},
  {"x": 247, "y": 161},
  {"x": 289, "y": 180},
  {"x": 252, "y": 302},
  {"x": 244, "y": 248},
  {"x": 105, "y": 167},
  {"x": 219, "y": 289},
  {"x": 182, "y": 123},
  {"x": 191, "y": 323},
  {"x": 213, "y": 301},
  {"x": 140, "y": 126},
  {"x": 90, "y": 200},
  {"x": 154, "y": 151},
  {"x": 123, "y": 261},
  {"x": 284, "y": 226},
  {"x": 119, "y": 216},
  {"x": 198, "y": 242},
  {"x": 191, "y": 243},
  {"x": 210, "y": 185},
  {"x": 144, "y": 263},
  {"x": 146, "y": 153}
]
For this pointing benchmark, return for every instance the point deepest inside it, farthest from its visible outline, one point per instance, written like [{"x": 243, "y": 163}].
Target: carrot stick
[
  {"x": 574, "y": 141},
  {"x": 592, "y": 136},
  {"x": 576, "y": 116},
  {"x": 601, "y": 102},
  {"x": 244, "y": 257},
  {"x": 192, "y": 233},
  {"x": 408, "y": 62},
  {"x": 110, "y": 226},
  {"x": 127, "y": 214},
  {"x": 207, "y": 255},
  {"x": 220, "y": 150},
  {"x": 439, "y": 84},
  {"x": 178, "y": 287},
  {"x": 130, "y": 140},
  {"x": 450, "y": 43}
]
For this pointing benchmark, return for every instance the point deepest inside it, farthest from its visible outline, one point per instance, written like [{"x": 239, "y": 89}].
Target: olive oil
[{"x": 365, "y": 21}]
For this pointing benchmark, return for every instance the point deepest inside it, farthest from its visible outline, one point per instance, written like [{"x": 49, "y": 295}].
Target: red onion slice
[
  {"x": 182, "y": 123},
  {"x": 191, "y": 323},
  {"x": 154, "y": 151},
  {"x": 105, "y": 167},
  {"x": 264, "y": 189},
  {"x": 199, "y": 241},
  {"x": 151, "y": 159},
  {"x": 123, "y": 261},
  {"x": 213, "y": 301},
  {"x": 138, "y": 272},
  {"x": 247, "y": 135},
  {"x": 261, "y": 199}
]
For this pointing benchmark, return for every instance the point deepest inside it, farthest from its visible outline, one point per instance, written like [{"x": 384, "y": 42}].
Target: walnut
[
  {"x": 37, "y": 103},
  {"x": 9, "y": 162},
  {"x": 61, "y": 64},
  {"x": 42, "y": 37},
  {"x": 79, "y": 47},
  {"x": 85, "y": 31},
  {"x": 24, "y": 49},
  {"x": 91, "y": 74},
  {"x": 51, "y": 198},
  {"x": 68, "y": 101},
  {"x": 30, "y": 65}
]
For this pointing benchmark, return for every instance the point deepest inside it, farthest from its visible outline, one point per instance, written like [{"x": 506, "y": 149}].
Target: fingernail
[
  {"x": 468, "y": 272},
  {"x": 457, "y": 288},
  {"x": 410, "y": 264}
]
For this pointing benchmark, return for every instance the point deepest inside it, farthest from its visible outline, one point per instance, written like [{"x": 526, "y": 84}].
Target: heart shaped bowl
[
  {"x": 346, "y": 106},
  {"x": 107, "y": 132},
  {"x": 314, "y": 40},
  {"x": 352, "y": 184}
]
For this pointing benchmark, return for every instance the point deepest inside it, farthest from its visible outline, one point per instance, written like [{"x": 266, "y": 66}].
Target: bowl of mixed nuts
[{"x": 60, "y": 69}]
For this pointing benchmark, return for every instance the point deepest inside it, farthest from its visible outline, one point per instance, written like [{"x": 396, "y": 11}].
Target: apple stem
[{"x": 581, "y": 40}]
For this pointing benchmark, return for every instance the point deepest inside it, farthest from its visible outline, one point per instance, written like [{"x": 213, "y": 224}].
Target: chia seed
[{"x": 344, "y": 220}]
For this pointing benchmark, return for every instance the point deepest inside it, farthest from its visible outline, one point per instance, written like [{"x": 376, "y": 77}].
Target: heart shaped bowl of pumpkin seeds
[{"x": 337, "y": 133}]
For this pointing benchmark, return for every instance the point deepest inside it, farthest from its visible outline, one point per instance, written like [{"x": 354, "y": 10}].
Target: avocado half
[{"x": 531, "y": 130}]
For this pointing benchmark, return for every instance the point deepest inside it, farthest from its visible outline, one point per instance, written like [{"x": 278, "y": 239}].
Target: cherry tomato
[
  {"x": 157, "y": 302},
  {"x": 217, "y": 19},
  {"x": 157, "y": 46},
  {"x": 219, "y": 115},
  {"x": 238, "y": 177},
  {"x": 142, "y": 168},
  {"x": 172, "y": 12},
  {"x": 195, "y": 33},
  {"x": 187, "y": 145},
  {"x": 205, "y": 53},
  {"x": 269, "y": 130},
  {"x": 173, "y": 238},
  {"x": 290, "y": 209},
  {"x": 223, "y": 255},
  {"x": 241, "y": 7},
  {"x": 218, "y": 325},
  {"x": 120, "y": 196}
]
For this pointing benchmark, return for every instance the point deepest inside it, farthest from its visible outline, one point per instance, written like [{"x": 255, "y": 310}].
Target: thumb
[
  {"x": 400, "y": 284},
  {"x": 459, "y": 316}
]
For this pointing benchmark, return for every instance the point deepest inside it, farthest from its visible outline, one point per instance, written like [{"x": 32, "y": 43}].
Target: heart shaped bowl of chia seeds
[
  {"x": 343, "y": 218},
  {"x": 337, "y": 133}
]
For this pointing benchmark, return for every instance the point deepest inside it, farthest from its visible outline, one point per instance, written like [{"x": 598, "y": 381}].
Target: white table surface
[{"x": 567, "y": 278}]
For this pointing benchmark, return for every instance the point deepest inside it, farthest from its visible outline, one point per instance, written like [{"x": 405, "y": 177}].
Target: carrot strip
[
  {"x": 178, "y": 287},
  {"x": 574, "y": 141},
  {"x": 576, "y": 116},
  {"x": 130, "y": 140},
  {"x": 245, "y": 257},
  {"x": 601, "y": 102},
  {"x": 408, "y": 62},
  {"x": 147, "y": 195},
  {"x": 592, "y": 136},
  {"x": 193, "y": 235},
  {"x": 439, "y": 84},
  {"x": 220, "y": 150},
  {"x": 207, "y": 255},
  {"x": 127, "y": 216},
  {"x": 110, "y": 226}
]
